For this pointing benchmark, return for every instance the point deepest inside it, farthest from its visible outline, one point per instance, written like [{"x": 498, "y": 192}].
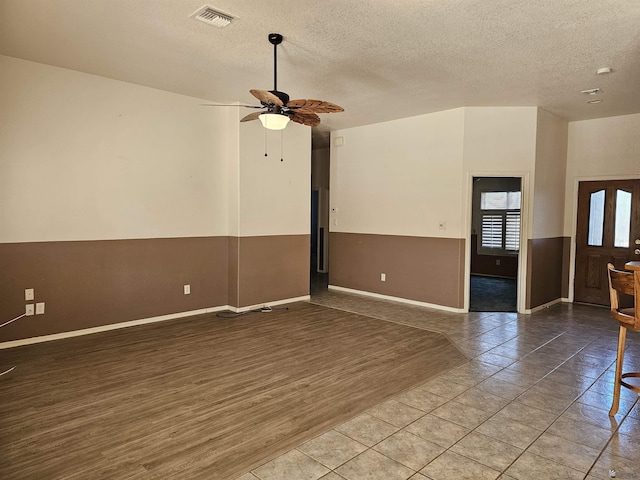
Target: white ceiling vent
[{"x": 213, "y": 17}]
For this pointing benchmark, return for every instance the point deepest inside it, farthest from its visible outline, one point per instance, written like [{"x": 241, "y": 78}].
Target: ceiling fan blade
[
  {"x": 229, "y": 105},
  {"x": 266, "y": 98},
  {"x": 251, "y": 116},
  {"x": 314, "y": 106},
  {"x": 309, "y": 119}
]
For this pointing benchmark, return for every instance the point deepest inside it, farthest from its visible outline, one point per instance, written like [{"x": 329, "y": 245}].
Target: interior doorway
[
  {"x": 319, "y": 238},
  {"x": 495, "y": 244},
  {"x": 607, "y": 230}
]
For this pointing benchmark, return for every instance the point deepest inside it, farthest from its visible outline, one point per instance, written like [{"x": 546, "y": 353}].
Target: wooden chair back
[{"x": 622, "y": 282}]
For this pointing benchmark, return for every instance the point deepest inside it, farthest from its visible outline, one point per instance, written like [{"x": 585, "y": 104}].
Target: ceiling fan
[{"x": 276, "y": 107}]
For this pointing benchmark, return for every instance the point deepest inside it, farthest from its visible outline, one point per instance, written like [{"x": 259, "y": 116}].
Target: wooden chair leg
[{"x": 622, "y": 337}]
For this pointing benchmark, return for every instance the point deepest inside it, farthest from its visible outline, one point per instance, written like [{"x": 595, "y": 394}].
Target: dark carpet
[{"x": 490, "y": 294}]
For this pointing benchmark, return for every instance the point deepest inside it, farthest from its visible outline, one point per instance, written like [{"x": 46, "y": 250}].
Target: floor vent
[{"x": 213, "y": 17}]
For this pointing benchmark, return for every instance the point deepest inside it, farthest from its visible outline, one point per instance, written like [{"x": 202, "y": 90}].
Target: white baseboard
[
  {"x": 543, "y": 306},
  {"x": 398, "y": 299},
  {"x": 304, "y": 298},
  {"x": 142, "y": 321}
]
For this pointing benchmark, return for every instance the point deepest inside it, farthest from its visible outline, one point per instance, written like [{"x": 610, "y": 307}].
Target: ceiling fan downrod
[{"x": 275, "y": 39}]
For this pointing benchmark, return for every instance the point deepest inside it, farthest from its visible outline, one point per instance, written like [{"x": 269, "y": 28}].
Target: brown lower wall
[
  {"x": 423, "y": 269},
  {"x": 271, "y": 268},
  {"x": 544, "y": 270},
  {"x": 493, "y": 265},
  {"x": 87, "y": 284}
]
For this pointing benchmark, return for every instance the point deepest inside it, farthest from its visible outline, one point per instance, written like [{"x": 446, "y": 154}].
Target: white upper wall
[
  {"x": 400, "y": 177},
  {"x": 409, "y": 176},
  {"x": 600, "y": 149},
  {"x": 274, "y": 196},
  {"x": 550, "y": 171},
  {"x": 500, "y": 141},
  {"x": 84, "y": 157}
]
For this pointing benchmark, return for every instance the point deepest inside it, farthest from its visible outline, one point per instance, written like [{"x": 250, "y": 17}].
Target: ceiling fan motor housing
[
  {"x": 281, "y": 95},
  {"x": 275, "y": 38}
]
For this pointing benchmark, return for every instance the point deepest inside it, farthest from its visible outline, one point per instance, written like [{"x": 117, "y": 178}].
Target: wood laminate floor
[{"x": 201, "y": 398}]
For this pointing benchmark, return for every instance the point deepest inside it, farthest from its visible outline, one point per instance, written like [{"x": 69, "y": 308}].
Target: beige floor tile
[
  {"x": 293, "y": 464},
  {"x": 437, "y": 430},
  {"x": 531, "y": 368},
  {"x": 486, "y": 450},
  {"x": 421, "y": 399},
  {"x": 580, "y": 432},
  {"x": 543, "y": 401},
  {"x": 464, "y": 415},
  {"x": 559, "y": 389},
  {"x": 332, "y": 449},
  {"x": 533, "y": 467},
  {"x": 444, "y": 387},
  {"x": 570, "y": 377},
  {"x": 604, "y": 402},
  {"x": 625, "y": 468},
  {"x": 541, "y": 364},
  {"x": 450, "y": 466},
  {"x": 626, "y": 446},
  {"x": 495, "y": 359},
  {"x": 593, "y": 416},
  {"x": 409, "y": 449},
  {"x": 248, "y": 476},
  {"x": 472, "y": 373},
  {"x": 332, "y": 476},
  {"x": 367, "y": 429},
  {"x": 372, "y": 465},
  {"x": 509, "y": 431},
  {"x": 631, "y": 426},
  {"x": 604, "y": 385},
  {"x": 560, "y": 450},
  {"x": 501, "y": 388},
  {"x": 474, "y": 347},
  {"x": 509, "y": 351},
  {"x": 396, "y": 413},
  {"x": 517, "y": 378},
  {"x": 530, "y": 416},
  {"x": 477, "y": 396}
]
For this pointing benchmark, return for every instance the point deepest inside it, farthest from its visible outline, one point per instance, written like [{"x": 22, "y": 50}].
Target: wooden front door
[{"x": 608, "y": 230}]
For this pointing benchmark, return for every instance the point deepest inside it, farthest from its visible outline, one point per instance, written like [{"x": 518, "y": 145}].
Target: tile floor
[{"x": 531, "y": 403}]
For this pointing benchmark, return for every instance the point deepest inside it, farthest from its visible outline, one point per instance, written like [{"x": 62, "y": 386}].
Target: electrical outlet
[
  {"x": 497, "y": 261},
  {"x": 28, "y": 309},
  {"x": 28, "y": 294},
  {"x": 187, "y": 289},
  {"x": 383, "y": 277},
  {"x": 40, "y": 308}
]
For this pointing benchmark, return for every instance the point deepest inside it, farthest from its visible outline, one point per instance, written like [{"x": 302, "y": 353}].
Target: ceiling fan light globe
[{"x": 274, "y": 121}]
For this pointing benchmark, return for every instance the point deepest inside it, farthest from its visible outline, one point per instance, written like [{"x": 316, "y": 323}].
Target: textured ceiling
[{"x": 379, "y": 59}]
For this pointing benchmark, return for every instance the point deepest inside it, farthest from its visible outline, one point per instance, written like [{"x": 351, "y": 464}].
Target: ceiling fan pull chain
[
  {"x": 282, "y": 145},
  {"x": 265, "y": 143}
]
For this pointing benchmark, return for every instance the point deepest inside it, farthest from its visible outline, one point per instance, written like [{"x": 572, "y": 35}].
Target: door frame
[
  {"x": 574, "y": 221},
  {"x": 525, "y": 230}
]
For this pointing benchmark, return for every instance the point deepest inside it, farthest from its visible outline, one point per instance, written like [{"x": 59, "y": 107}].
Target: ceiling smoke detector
[{"x": 212, "y": 16}]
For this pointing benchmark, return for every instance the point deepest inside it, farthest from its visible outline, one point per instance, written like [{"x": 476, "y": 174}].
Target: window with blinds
[
  {"x": 500, "y": 222},
  {"x": 492, "y": 231}
]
